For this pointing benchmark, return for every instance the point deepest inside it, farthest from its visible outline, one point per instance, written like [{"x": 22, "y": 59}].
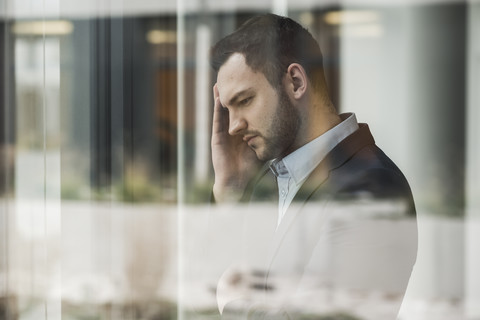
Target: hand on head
[{"x": 234, "y": 162}]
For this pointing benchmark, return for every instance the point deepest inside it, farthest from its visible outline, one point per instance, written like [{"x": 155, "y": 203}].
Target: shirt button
[{"x": 283, "y": 192}]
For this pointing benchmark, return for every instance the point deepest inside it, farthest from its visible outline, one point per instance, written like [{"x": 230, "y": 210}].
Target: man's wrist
[{"x": 227, "y": 193}]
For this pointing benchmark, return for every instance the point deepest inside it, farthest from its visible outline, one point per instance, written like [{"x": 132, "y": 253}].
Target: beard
[{"x": 279, "y": 137}]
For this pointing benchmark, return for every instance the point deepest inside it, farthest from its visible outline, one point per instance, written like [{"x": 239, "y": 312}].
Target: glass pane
[{"x": 107, "y": 171}]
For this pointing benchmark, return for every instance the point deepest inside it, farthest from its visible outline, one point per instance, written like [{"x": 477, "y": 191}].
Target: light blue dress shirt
[{"x": 292, "y": 171}]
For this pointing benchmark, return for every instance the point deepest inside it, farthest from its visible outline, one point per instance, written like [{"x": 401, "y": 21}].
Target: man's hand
[{"x": 234, "y": 162}]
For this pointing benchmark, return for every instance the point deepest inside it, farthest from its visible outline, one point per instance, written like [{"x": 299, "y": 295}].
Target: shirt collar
[
  {"x": 300, "y": 163},
  {"x": 278, "y": 168}
]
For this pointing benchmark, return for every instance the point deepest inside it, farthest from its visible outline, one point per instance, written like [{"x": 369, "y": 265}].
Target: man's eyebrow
[{"x": 236, "y": 97}]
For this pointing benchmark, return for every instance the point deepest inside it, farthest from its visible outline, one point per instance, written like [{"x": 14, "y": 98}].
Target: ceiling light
[
  {"x": 351, "y": 17},
  {"x": 40, "y": 28},
  {"x": 161, "y": 36}
]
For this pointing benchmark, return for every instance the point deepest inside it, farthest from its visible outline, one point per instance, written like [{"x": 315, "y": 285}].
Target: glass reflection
[{"x": 95, "y": 109}]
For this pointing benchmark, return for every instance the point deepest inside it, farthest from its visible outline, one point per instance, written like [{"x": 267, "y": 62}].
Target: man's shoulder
[
  {"x": 368, "y": 175},
  {"x": 356, "y": 166},
  {"x": 370, "y": 170}
]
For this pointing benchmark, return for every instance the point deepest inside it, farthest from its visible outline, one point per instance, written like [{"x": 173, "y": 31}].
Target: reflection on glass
[
  {"x": 330, "y": 228},
  {"x": 91, "y": 130}
]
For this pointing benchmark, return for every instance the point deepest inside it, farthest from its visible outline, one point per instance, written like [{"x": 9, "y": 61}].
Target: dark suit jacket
[{"x": 346, "y": 245}]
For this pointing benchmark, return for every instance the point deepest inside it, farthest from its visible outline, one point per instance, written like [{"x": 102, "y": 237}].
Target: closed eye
[{"x": 245, "y": 101}]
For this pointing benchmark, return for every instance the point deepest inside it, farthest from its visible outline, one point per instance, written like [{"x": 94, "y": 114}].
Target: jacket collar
[
  {"x": 345, "y": 150},
  {"x": 335, "y": 159}
]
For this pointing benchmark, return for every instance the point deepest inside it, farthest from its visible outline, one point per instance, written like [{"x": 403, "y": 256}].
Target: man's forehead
[
  {"x": 234, "y": 69},
  {"x": 235, "y": 60},
  {"x": 235, "y": 76}
]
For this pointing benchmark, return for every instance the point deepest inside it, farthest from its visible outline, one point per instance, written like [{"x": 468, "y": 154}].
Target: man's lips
[{"x": 247, "y": 139}]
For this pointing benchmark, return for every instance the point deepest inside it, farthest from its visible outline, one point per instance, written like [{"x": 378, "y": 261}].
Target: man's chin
[
  {"x": 262, "y": 155},
  {"x": 263, "y": 152},
  {"x": 258, "y": 153}
]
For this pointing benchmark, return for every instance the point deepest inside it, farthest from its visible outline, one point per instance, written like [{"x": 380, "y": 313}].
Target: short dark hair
[{"x": 270, "y": 43}]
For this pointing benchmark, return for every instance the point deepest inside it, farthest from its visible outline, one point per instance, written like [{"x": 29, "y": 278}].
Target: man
[{"x": 343, "y": 240}]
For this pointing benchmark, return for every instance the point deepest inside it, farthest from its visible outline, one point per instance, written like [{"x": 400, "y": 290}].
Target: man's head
[
  {"x": 270, "y": 79},
  {"x": 271, "y": 43},
  {"x": 262, "y": 116}
]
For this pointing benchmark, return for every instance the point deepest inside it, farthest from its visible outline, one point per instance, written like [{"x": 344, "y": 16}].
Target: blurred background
[{"x": 105, "y": 119}]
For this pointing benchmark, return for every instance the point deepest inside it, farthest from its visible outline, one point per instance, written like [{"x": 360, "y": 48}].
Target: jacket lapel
[
  {"x": 334, "y": 159},
  {"x": 316, "y": 180}
]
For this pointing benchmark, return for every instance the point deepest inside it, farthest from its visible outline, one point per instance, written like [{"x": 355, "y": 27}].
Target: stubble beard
[{"x": 279, "y": 138}]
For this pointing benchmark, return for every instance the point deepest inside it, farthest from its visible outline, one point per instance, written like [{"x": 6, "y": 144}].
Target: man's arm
[{"x": 234, "y": 163}]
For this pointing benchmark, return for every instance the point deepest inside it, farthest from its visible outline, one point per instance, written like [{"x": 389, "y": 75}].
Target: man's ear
[{"x": 297, "y": 81}]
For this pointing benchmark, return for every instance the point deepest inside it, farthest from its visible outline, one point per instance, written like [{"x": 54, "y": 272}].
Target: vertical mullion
[
  {"x": 180, "y": 149},
  {"x": 472, "y": 171},
  {"x": 5, "y": 309},
  {"x": 101, "y": 104}
]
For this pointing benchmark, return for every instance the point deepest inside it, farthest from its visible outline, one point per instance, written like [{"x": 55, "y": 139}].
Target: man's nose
[{"x": 236, "y": 124}]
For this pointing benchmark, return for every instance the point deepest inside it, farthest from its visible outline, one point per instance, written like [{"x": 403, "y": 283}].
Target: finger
[
  {"x": 220, "y": 114},
  {"x": 215, "y": 91},
  {"x": 220, "y": 118},
  {"x": 216, "y": 116}
]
